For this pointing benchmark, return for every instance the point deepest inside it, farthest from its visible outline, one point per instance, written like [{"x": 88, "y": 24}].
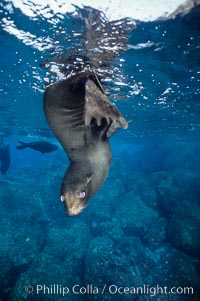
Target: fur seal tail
[{"x": 22, "y": 146}]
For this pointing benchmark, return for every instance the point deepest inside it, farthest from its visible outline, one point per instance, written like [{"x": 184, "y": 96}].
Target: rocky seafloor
[{"x": 142, "y": 229}]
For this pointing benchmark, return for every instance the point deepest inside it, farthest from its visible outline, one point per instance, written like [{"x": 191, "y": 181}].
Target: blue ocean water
[{"x": 142, "y": 228}]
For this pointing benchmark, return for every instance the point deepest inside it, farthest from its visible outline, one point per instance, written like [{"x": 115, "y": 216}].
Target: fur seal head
[{"x": 76, "y": 196}]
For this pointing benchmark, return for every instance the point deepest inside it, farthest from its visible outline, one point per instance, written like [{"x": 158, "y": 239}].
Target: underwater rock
[
  {"x": 98, "y": 259},
  {"x": 148, "y": 193},
  {"x": 148, "y": 189},
  {"x": 156, "y": 235},
  {"x": 178, "y": 185},
  {"x": 169, "y": 196},
  {"x": 6, "y": 245},
  {"x": 133, "y": 181},
  {"x": 106, "y": 265},
  {"x": 139, "y": 255},
  {"x": 187, "y": 182},
  {"x": 97, "y": 211},
  {"x": 183, "y": 230},
  {"x": 68, "y": 241},
  {"x": 27, "y": 242},
  {"x": 20, "y": 243},
  {"x": 112, "y": 230},
  {"x": 31, "y": 201},
  {"x": 134, "y": 216},
  {"x": 110, "y": 192},
  {"x": 46, "y": 271},
  {"x": 175, "y": 269}
]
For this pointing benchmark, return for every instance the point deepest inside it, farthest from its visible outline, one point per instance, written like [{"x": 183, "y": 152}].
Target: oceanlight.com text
[{"x": 89, "y": 289}]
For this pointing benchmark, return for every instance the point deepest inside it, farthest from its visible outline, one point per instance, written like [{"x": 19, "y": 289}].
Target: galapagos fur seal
[
  {"x": 82, "y": 119},
  {"x": 4, "y": 158},
  {"x": 40, "y": 146}
]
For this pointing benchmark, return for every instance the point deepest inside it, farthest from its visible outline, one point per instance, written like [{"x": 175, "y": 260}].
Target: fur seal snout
[{"x": 82, "y": 118}]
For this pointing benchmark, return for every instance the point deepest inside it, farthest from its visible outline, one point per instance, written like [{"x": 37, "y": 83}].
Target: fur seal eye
[
  {"x": 62, "y": 198},
  {"x": 82, "y": 195}
]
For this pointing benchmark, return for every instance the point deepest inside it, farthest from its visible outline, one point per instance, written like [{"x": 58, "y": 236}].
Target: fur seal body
[
  {"x": 82, "y": 118},
  {"x": 40, "y": 146}
]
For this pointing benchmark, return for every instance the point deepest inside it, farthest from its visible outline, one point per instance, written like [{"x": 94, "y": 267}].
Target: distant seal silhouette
[
  {"x": 82, "y": 118},
  {"x": 4, "y": 158},
  {"x": 40, "y": 146}
]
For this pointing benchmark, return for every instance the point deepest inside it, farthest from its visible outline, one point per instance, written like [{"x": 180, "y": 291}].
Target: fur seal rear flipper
[{"x": 82, "y": 118}]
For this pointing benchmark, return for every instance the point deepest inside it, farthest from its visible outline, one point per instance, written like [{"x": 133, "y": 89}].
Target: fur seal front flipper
[{"x": 82, "y": 118}]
